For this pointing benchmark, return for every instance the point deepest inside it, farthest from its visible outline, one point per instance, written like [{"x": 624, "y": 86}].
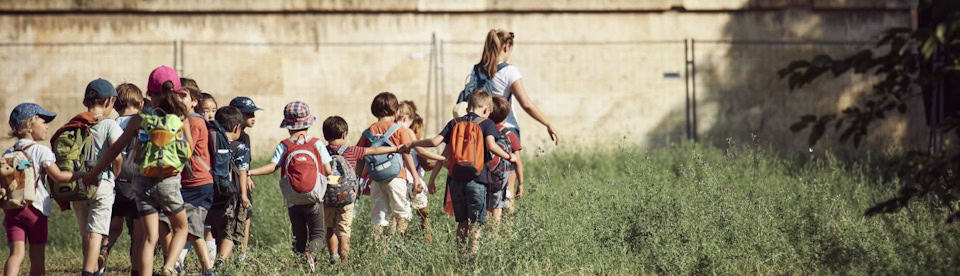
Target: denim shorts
[{"x": 469, "y": 201}]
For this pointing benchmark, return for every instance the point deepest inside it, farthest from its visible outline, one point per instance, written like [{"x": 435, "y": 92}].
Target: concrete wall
[{"x": 603, "y": 78}]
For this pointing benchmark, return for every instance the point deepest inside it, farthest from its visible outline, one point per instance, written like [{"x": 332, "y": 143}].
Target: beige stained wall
[{"x": 603, "y": 79}]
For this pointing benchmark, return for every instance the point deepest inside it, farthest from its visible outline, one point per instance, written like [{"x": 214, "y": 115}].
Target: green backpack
[
  {"x": 163, "y": 149},
  {"x": 73, "y": 147}
]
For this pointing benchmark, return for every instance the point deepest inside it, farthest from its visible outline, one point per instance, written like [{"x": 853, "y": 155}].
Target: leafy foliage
[{"x": 908, "y": 59}]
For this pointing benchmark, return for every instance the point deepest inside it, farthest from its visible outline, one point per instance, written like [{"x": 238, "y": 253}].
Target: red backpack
[{"x": 303, "y": 179}]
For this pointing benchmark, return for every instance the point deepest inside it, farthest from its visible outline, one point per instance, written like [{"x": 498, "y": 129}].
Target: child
[
  {"x": 407, "y": 117},
  {"x": 390, "y": 197},
  {"x": 503, "y": 198},
  {"x": 207, "y": 107},
  {"x": 304, "y": 209},
  {"x": 248, "y": 109},
  {"x": 197, "y": 183},
  {"x": 338, "y": 220},
  {"x": 93, "y": 215},
  {"x": 228, "y": 215},
  {"x": 28, "y": 123},
  {"x": 468, "y": 192},
  {"x": 160, "y": 190},
  {"x": 129, "y": 102}
]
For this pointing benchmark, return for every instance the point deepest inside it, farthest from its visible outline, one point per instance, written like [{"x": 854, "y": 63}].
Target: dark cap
[
  {"x": 101, "y": 88},
  {"x": 25, "y": 111},
  {"x": 245, "y": 105}
]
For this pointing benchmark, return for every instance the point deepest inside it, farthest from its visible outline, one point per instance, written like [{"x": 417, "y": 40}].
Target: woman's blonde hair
[
  {"x": 497, "y": 41},
  {"x": 23, "y": 127}
]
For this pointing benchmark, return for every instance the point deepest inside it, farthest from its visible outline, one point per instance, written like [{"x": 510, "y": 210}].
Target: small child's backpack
[
  {"x": 466, "y": 149},
  {"x": 344, "y": 192},
  {"x": 497, "y": 167},
  {"x": 129, "y": 170},
  {"x": 73, "y": 148},
  {"x": 221, "y": 159},
  {"x": 303, "y": 180},
  {"x": 382, "y": 167},
  {"x": 164, "y": 150},
  {"x": 18, "y": 179}
]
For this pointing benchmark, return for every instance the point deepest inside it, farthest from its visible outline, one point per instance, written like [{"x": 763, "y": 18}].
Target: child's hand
[
  {"x": 89, "y": 179},
  {"x": 432, "y": 189},
  {"x": 519, "y": 192},
  {"x": 250, "y": 183},
  {"x": 403, "y": 148},
  {"x": 244, "y": 201},
  {"x": 513, "y": 158},
  {"x": 417, "y": 187}
]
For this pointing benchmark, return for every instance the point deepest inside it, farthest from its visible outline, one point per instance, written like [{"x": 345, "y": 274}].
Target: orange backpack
[{"x": 466, "y": 150}]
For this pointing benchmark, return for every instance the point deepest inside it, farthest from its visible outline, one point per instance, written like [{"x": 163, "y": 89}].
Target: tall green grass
[{"x": 683, "y": 209}]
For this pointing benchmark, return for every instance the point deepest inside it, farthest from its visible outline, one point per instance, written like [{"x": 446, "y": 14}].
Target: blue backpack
[
  {"x": 478, "y": 79},
  {"x": 382, "y": 167},
  {"x": 221, "y": 161}
]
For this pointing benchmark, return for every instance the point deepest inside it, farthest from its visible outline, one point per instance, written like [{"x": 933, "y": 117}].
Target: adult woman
[{"x": 506, "y": 79}]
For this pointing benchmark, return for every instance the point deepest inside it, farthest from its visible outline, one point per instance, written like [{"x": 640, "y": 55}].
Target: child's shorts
[
  {"x": 390, "y": 199},
  {"x": 339, "y": 219},
  {"x": 469, "y": 201},
  {"x": 156, "y": 195},
  {"x": 197, "y": 203},
  {"x": 417, "y": 201},
  {"x": 25, "y": 224},
  {"x": 500, "y": 199},
  {"x": 94, "y": 215},
  {"x": 227, "y": 221}
]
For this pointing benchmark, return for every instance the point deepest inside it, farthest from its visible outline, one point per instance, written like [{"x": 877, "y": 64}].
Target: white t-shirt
[
  {"x": 503, "y": 84},
  {"x": 105, "y": 132},
  {"x": 281, "y": 149},
  {"x": 42, "y": 157}
]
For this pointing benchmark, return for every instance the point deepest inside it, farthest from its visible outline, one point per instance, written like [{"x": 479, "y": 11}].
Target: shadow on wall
[{"x": 740, "y": 99}]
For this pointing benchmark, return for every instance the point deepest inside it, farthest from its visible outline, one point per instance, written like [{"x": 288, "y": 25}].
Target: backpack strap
[
  {"x": 502, "y": 65},
  {"x": 390, "y": 131},
  {"x": 342, "y": 150}
]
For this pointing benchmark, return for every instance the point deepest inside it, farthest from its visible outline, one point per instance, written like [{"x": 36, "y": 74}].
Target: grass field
[{"x": 685, "y": 209}]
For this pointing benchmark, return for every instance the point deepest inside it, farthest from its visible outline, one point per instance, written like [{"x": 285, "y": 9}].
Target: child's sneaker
[
  {"x": 242, "y": 258},
  {"x": 211, "y": 272},
  {"x": 181, "y": 269},
  {"x": 334, "y": 258},
  {"x": 218, "y": 264}
]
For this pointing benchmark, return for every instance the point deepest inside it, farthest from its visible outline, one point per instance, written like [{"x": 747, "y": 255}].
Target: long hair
[
  {"x": 497, "y": 40},
  {"x": 169, "y": 102}
]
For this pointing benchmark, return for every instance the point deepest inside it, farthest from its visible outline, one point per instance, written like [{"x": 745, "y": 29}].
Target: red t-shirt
[
  {"x": 353, "y": 154},
  {"x": 201, "y": 155},
  {"x": 401, "y": 136}
]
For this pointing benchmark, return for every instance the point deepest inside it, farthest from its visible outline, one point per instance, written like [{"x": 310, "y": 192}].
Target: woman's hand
[{"x": 553, "y": 135}]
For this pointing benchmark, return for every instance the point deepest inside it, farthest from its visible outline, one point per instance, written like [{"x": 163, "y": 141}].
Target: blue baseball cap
[
  {"x": 102, "y": 88},
  {"x": 245, "y": 105},
  {"x": 26, "y": 111}
]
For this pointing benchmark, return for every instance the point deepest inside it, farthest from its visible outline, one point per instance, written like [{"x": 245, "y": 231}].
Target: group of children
[{"x": 175, "y": 169}]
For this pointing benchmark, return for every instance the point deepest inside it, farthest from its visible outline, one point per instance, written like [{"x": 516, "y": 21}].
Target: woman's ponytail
[{"x": 491, "y": 52}]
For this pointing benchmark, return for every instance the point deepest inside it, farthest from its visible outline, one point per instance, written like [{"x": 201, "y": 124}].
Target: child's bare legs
[
  {"x": 150, "y": 225},
  {"x": 37, "y": 259},
  {"x": 344, "y": 247},
  {"x": 165, "y": 237},
  {"x": 333, "y": 244},
  {"x": 200, "y": 247},
  {"x": 91, "y": 250},
  {"x": 15, "y": 259},
  {"x": 137, "y": 245},
  {"x": 467, "y": 238},
  {"x": 225, "y": 250},
  {"x": 246, "y": 238},
  {"x": 116, "y": 228},
  {"x": 178, "y": 222},
  {"x": 511, "y": 191},
  {"x": 424, "y": 214}
]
